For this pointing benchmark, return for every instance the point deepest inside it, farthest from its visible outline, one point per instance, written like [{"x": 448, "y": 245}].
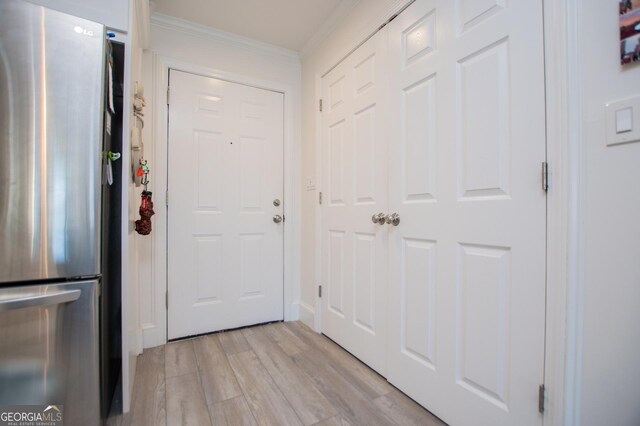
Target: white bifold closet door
[
  {"x": 355, "y": 177},
  {"x": 461, "y": 278}
]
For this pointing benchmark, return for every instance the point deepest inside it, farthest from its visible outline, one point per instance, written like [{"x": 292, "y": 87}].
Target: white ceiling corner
[
  {"x": 295, "y": 25},
  {"x": 223, "y": 37},
  {"x": 328, "y": 26}
]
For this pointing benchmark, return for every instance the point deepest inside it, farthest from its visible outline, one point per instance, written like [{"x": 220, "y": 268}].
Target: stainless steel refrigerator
[{"x": 52, "y": 71}]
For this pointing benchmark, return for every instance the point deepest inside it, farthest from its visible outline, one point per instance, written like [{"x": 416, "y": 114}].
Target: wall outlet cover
[{"x": 310, "y": 183}]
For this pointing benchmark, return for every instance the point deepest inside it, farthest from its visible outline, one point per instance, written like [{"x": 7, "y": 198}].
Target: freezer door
[
  {"x": 49, "y": 352},
  {"x": 51, "y": 84}
]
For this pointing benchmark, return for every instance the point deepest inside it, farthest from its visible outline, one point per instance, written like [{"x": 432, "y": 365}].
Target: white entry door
[
  {"x": 225, "y": 251},
  {"x": 467, "y": 260},
  {"x": 355, "y": 182}
]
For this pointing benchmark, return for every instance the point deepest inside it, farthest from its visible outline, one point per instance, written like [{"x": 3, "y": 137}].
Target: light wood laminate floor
[{"x": 276, "y": 374}]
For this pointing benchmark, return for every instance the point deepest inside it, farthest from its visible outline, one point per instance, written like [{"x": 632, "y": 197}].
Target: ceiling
[{"x": 285, "y": 23}]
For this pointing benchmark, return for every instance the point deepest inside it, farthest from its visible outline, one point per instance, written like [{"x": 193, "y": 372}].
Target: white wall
[
  {"x": 206, "y": 49},
  {"x": 112, "y": 13},
  {"x": 131, "y": 329},
  {"x": 360, "y": 22},
  {"x": 611, "y": 328}
]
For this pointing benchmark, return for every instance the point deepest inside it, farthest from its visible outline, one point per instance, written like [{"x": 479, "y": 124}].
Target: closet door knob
[
  {"x": 378, "y": 218},
  {"x": 393, "y": 219}
]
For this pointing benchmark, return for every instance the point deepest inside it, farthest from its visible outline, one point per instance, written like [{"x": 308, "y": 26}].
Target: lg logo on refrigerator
[{"x": 83, "y": 31}]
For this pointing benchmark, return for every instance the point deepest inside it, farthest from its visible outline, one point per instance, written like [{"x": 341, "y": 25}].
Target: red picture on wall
[{"x": 629, "y": 11}]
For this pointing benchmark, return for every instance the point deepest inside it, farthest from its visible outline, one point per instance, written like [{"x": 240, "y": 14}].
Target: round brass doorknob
[
  {"x": 277, "y": 218},
  {"x": 378, "y": 218},
  {"x": 393, "y": 219}
]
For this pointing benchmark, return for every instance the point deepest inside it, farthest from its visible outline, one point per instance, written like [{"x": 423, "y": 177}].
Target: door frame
[
  {"x": 157, "y": 331},
  {"x": 565, "y": 198}
]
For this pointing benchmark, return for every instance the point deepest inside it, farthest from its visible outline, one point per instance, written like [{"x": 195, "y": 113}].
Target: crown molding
[
  {"x": 223, "y": 37},
  {"x": 365, "y": 32},
  {"x": 330, "y": 24}
]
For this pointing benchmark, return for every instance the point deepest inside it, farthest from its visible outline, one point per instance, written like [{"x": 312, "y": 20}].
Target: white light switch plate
[{"x": 623, "y": 121}]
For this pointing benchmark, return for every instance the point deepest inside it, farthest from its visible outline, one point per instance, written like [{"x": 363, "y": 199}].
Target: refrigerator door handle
[{"x": 39, "y": 300}]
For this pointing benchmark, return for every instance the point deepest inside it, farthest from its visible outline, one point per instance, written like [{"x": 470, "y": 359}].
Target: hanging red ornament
[{"x": 143, "y": 225}]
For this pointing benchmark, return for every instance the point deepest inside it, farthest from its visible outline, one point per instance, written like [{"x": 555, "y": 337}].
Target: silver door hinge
[
  {"x": 166, "y": 299},
  {"x": 320, "y": 105},
  {"x": 168, "y": 93},
  {"x": 545, "y": 176},
  {"x": 320, "y": 197},
  {"x": 166, "y": 198},
  {"x": 541, "y": 391},
  {"x": 320, "y": 291}
]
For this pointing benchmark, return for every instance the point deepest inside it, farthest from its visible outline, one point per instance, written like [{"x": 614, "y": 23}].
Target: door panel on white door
[
  {"x": 212, "y": 106},
  {"x": 252, "y": 265},
  {"x": 209, "y": 169},
  {"x": 364, "y": 157},
  {"x": 354, "y": 164},
  {"x": 482, "y": 332},
  {"x": 418, "y": 301},
  {"x": 419, "y": 144},
  {"x": 336, "y": 148},
  {"x": 208, "y": 262},
  {"x": 335, "y": 276},
  {"x": 225, "y": 253},
  {"x": 365, "y": 74},
  {"x": 473, "y": 12},
  {"x": 483, "y": 122},
  {"x": 419, "y": 39},
  {"x": 467, "y": 260},
  {"x": 336, "y": 90},
  {"x": 253, "y": 151},
  {"x": 364, "y": 280}
]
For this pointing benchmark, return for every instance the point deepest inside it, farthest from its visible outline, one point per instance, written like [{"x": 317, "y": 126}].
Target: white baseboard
[
  {"x": 151, "y": 336},
  {"x": 293, "y": 313},
  {"x": 307, "y": 314}
]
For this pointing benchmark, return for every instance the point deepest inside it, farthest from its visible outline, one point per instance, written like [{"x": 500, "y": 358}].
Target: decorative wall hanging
[
  {"x": 137, "y": 144},
  {"x": 629, "y": 11},
  {"x": 139, "y": 166}
]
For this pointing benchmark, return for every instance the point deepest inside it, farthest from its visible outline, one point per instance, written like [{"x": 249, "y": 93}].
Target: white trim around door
[
  {"x": 565, "y": 217},
  {"x": 155, "y": 332}
]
